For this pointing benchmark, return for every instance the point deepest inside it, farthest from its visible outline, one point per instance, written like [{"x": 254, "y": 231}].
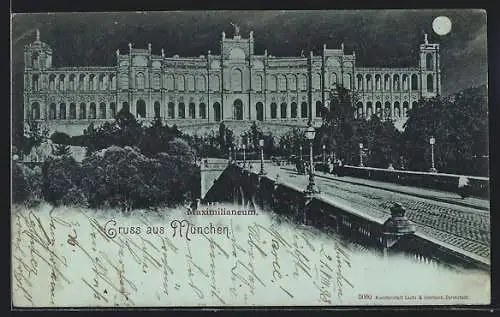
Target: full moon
[{"x": 441, "y": 25}]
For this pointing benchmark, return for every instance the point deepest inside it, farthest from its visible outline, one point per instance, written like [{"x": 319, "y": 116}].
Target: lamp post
[
  {"x": 324, "y": 153},
  {"x": 244, "y": 156},
  {"x": 261, "y": 144},
  {"x": 432, "y": 141},
  {"x": 311, "y": 187},
  {"x": 361, "y": 155}
]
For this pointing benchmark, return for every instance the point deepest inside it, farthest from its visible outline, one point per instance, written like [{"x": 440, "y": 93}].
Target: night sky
[{"x": 379, "y": 38}]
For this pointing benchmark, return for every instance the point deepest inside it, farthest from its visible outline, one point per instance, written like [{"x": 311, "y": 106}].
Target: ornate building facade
[{"x": 237, "y": 87}]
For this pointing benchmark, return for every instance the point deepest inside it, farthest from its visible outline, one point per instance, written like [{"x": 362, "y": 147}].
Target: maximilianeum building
[{"x": 237, "y": 87}]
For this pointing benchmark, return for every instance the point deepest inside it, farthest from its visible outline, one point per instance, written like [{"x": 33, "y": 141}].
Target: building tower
[
  {"x": 37, "y": 60},
  {"x": 430, "y": 70}
]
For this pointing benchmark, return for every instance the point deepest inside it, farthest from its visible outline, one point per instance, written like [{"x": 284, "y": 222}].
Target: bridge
[{"x": 448, "y": 229}]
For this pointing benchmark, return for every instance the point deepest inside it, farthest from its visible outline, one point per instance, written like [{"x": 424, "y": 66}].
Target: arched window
[
  {"x": 237, "y": 80},
  {"x": 333, "y": 80},
  {"x": 35, "y": 111},
  {"x": 217, "y": 112},
  {"x": 303, "y": 82},
  {"x": 72, "y": 111},
  {"x": 282, "y": 83},
  {"x": 203, "y": 111},
  {"x": 180, "y": 83},
  {"x": 190, "y": 82},
  {"x": 405, "y": 109},
  {"x": 113, "y": 81},
  {"x": 318, "y": 109},
  {"x": 292, "y": 83},
  {"x": 125, "y": 107},
  {"x": 293, "y": 110},
  {"x": 35, "y": 61},
  {"x": 257, "y": 83},
  {"x": 112, "y": 109},
  {"x": 81, "y": 82},
  {"x": 72, "y": 82},
  {"x": 238, "y": 109},
  {"x": 192, "y": 110},
  {"x": 92, "y": 84},
  {"x": 103, "y": 82},
  {"x": 140, "y": 108},
  {"x": 171, "y": 110},
  {"x": 359, "y": 107},
  {"x": 369, "y": 110},
  {"x": 347, "y": 81},
  {"x": 201, "y": 84},
  {"x": 139, "y": 81},
  {"x": 156, "y": 81},
  {"x": 102, "y": 110},
  {"x": 83, "y": 111},
  {"x": 271, "y": 83},
  {"x": 157, "y": 109},
  {"x": 181, "y": 111},
  {"x": 170, "y": 82},
  {"x": 62, "y": 82},
  {"x": 62, "y": 111},
  {"x": 274, "y": 110},
  {"x": 377, "y": 82},
  {"x": 405, "y": 82},
  {"x": 429, "y": 61},
  {"x": 259, "y": 107},
  {"x": 283, "y": 109},
  {"x": 396, "y": 84},
  {"x": 214, "y": 82},
  {"x": 369, "y": 82},
  {"x": 93, "y": 110},
  {"x": 387, "y": 110},
  {"x": 303, "y": 110},
  {"x": 414, "y": 105},
  {"x": 52, "y": 82},
  {"x": 359, "y": 84},
  {"x": 378, "y": 109},
  {"x": 387, "y": 82},
  {"x": 430, "y": 83},
  {"x": 34, "y": 82},
  {"x": 316, "y": 81},
  {"x": 52, "y": 111},
  {"x": 414, "y": 82},
  {"x": 397, "y": 110}
]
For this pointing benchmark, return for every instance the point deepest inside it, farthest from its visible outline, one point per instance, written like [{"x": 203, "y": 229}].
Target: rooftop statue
[{"x": 236, "y": 29}]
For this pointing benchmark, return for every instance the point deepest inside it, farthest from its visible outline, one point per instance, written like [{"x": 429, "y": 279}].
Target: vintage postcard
[{"x": 250, "y": 158}]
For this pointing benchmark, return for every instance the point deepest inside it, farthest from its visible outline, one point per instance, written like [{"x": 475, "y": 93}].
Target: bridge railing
[
  {"x": 478, "y": 186},
  {"x": 354, "y": 224}
]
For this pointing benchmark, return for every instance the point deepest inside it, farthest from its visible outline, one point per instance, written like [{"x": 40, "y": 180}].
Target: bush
[
  {"x": 26, "y": 184},
  {"x": 125, "y": 178},
  {"x": 179, "y": 147},
  {"x": 60, "y": 138},
  {"x": 61, "y": 182},
  {"x": 19, "y": 187}
]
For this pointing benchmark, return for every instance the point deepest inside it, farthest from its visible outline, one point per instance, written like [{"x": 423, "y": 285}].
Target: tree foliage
[{"x": 459, "y": 124}]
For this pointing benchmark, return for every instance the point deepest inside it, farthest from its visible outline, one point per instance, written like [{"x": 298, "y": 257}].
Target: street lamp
[
  {"x": 361, "y": 155},
  {"x": 229, "y": 154},
  {"x": 432, "y": 141},
  {"x": 300, "y": 153},
  {"x": 261, "y": 144},
  {"x": 244, "y": 156},
  {"x": 311, "y": 187},
  {"x": 324, "y": 153}
]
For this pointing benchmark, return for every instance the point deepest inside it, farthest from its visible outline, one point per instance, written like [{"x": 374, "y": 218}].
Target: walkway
[{"x": 460, "y": 224}]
